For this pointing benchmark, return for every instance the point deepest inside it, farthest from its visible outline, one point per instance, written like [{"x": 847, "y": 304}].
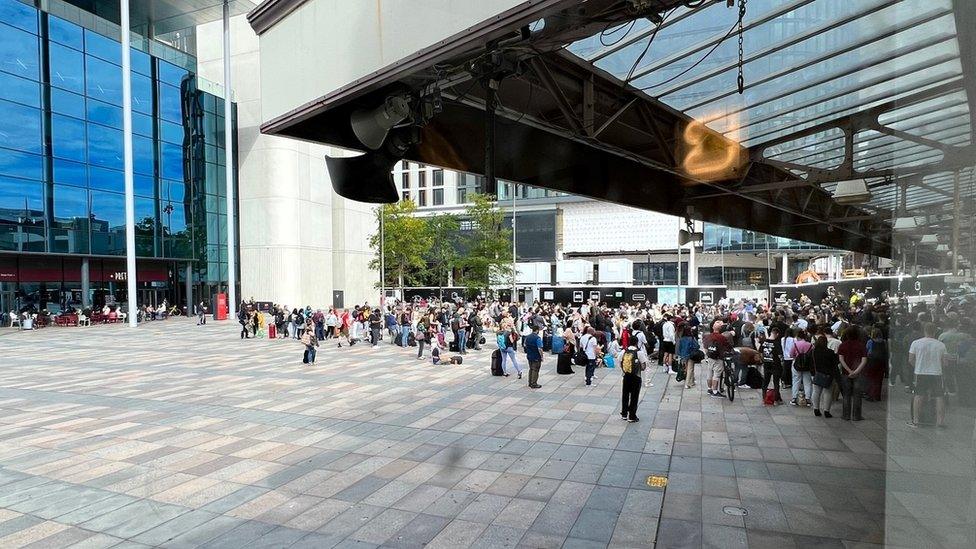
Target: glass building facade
[
  {"x": 718, "y": 238},
  {"x": 61, "y": 169}
]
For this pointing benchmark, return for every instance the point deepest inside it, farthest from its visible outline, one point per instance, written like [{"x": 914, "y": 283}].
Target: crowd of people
[{"x": 838, "y": 349}]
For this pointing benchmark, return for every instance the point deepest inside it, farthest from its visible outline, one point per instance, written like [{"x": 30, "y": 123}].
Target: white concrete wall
[
  {"x": 298, "y": 238},
  {"x": 326, "y": 44}
]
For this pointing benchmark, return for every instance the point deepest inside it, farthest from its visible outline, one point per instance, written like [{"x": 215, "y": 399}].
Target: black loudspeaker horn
[{"x": 364, "y": 178}]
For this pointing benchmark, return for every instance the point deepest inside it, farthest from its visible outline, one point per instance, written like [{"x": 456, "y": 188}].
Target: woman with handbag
[
  {"x": 823, "y": 365},
  {"x": 422, "y": 336}
]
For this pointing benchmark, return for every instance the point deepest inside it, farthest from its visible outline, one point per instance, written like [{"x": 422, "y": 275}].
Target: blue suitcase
[{"x": 558, "y": 344}]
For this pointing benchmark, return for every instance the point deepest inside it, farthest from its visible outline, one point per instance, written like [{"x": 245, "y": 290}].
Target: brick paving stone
[{"x": 183, "y": 436}]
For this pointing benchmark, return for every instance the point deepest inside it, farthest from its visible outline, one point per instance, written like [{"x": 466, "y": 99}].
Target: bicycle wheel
[{"x": 731, "y": 387}]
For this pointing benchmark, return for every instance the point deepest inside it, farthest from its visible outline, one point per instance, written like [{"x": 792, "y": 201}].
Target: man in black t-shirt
[
  {"x": 375, "y": 326},
  {"x": 772, "y": 357}
]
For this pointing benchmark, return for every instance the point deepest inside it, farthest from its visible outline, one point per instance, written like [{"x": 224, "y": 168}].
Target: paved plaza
[{"x": 175, "y": 435}]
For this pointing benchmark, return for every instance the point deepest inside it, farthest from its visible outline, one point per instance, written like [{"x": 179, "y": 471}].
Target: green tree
[
  {"x": 406, "y": 240},
  {"x": 442, "y": 256},
  {"x": 488, "y": 246}
]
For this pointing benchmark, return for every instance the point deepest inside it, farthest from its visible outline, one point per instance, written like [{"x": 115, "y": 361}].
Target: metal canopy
[{"x": 608, "y": 99}]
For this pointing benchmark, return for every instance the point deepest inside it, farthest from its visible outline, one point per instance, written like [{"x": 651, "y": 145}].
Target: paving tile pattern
[{"x": 178, "y": 436}]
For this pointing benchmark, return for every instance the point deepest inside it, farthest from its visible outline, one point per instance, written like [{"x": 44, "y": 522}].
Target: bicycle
[{"x": 728, "y": 377}]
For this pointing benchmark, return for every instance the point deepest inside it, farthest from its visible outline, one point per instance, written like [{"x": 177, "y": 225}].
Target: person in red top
[
  {"x": 853, "y": 356},
  {"x": 717, "y": 346}
]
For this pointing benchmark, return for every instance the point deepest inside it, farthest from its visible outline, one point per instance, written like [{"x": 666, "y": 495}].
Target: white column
[
  {"x": 130, "y": 215},
  {"x": 785, "y": 278},
  {"x": 692, "y": 267},
  {"x": 229, "y": 171},
  {"x": 85, "y": 283}
]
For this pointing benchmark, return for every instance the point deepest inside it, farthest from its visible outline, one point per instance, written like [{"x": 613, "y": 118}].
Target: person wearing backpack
[
  {"x": 717, "y": 346},
  {"x": 877, "y": 365},
  {"x": 631, "y": 366},
  {"x": 801, "y": 369},
  {"x": 824, "y": 368}
]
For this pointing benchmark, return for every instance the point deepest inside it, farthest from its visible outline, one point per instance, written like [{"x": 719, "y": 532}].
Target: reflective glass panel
[
  {"x": 144, "y": 185},
  {"x": 20, "y": 90},
  {"x": 141, "y": 93},
  {"x": 70, "y": 173},
  {"x": 170, "y": 107},
  {"x": 63, "y": 32},
  {"x": 171, "y": 74},
  {"x": 142, "y": 124},
  {"x": 170, "y": 161},
  {"x": 19, "y": 15},
  {"x": 109, "y": 180},
  {"x": 102, "y": 47},
  {"x": 142, "y": 155},
  {"x": 21, "y": 215},
  {"x": 105, "y": 114},
  {"x": 108, "y": 223},
  {"x": 68, "y": 138},
  {"x": 20, "y": 164},
  {"x": 20, "y": 127},
  {"x": 105, "y": 146},
  {"x": 67, "y": 103},
  {"x": 19, "y": 52},
  {"x": 103, "y": 81},
  {"x": 70, "y": 228},
  {"x": 67, "y": 68}
]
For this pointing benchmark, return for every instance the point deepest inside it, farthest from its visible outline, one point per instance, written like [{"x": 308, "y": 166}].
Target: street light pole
[
  {"x": 382, "y": 257},
  {"x": 514, "y": 270}
]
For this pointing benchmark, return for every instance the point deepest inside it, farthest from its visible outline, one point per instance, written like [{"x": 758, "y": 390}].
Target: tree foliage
[
  {"x": 442, "y": 256},
  {"x": 488, "y": 257},
  {"x": 406, "y": 242}
]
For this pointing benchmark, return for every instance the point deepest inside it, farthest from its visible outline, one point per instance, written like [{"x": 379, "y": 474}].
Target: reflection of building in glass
[{"x": 61, "y": 165}]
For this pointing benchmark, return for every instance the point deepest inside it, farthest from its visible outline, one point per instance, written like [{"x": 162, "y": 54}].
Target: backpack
[
  {"x": 630, "y": 363},
  {"x": 502, "y": 341},
  {"x": 712, "y": 351},
  {"x": 769, "y": 399},
  {"x": 802, "y": 361}
]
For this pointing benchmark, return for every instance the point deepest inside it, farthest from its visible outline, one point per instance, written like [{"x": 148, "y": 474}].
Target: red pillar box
[{"x": 221, "y": 306}]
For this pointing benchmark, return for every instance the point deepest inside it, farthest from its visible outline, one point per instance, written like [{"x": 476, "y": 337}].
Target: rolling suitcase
[
  {"x": 470, "y": 343},
  {"x": 546, "y": 343},
  {"x": 272, "y": 332},
  {"x": 411, "y": 339},
  {"x": 496, "y": 363},
  {"x": 454, "y": 347}
]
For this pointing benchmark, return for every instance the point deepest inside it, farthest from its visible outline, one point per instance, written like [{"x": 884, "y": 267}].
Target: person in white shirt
[
  {"x": 927, "y": 355},
  {"x": 589, "y": 346},
  {"x": 667, "y": 341}
]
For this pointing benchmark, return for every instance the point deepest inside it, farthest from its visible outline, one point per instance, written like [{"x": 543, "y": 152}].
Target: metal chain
[{"x": 742, "y": 13}]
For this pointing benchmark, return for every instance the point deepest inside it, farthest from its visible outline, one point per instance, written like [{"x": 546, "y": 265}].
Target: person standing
[
  {"x": 375, "y": 327},
  {"x": 406, "y": 323},
  {"x": 668, "y": 333},
  {"x": 800, "y": 368},
  {"x": 772, "y": 358},
  {"x": 462, "y": 332},
  {"x": 474, "y": 321},
  {"x": 506, "y": 344},
  {"x": 533, "y": 354},
  {"x": 201, "y": 314},
  {"x": 717, "y": 346},
  {"x": 853, "y": 357},
  {"x": 422, "y": 336},
  {"x": 589, "y": 346},
  {"x": 310, "y": 341},
  {"x": 927, "y": 356},
  {"x": 688, "y": 346},
  {"x": 823, "y": 364},
  {"x": 877, "y": 365},
  {"x": 631, "y": 365}
]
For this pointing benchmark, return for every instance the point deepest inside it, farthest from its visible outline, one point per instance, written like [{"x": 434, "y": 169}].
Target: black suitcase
[
  {"x": 453, "y": 347},
  {"x": 547, "y": 343},
  {"x": 470, "y": 343},
  {"x": 496, "y": 363},
  {"x": 411, "y": 340}
]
